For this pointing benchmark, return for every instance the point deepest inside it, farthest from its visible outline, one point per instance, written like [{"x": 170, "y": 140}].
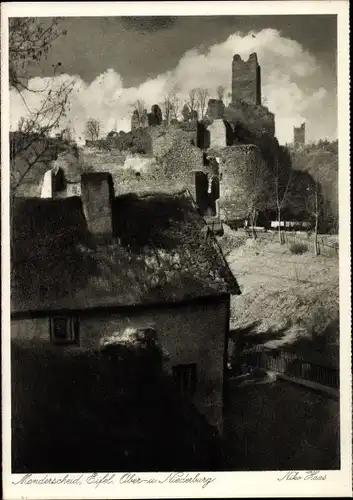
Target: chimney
[{"x": 97, "y": 194}]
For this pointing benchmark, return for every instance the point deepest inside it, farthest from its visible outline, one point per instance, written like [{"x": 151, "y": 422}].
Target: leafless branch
[
  {"x": 92, "y": 129},
  {"x": 202, "y": 100}
]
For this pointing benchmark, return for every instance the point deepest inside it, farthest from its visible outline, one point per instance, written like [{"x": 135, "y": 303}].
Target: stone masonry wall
[
  {"x": 257, "y": 119},
  {"x": 246, "y": 80},
  {"x": 234, "y": 164}
]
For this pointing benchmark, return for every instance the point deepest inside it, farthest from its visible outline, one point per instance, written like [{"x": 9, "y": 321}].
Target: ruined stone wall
[
  {"x": 171, "y": 169},
  {"x": 215, "y": 109},
  {"x": 152, "y": 180},
  {"x": 235, "y": 163},
  {"x": 246, "y": 80},
  {"x": 177, "y": 158},
  {"x": 257, "y": 119},
  {"x": 165, "y": 137}
]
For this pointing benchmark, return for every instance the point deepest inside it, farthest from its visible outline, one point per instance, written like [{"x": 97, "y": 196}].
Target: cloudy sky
[{"x": 115, "y": 60}]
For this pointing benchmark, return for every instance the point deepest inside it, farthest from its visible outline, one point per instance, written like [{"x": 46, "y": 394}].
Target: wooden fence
[
  {"x": 323, "y": 248},
  {"x": 290, "y": 364}
]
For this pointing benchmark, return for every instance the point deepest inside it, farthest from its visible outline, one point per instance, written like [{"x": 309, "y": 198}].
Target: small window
[
  {"x": 64, "y": 330},
  {"x": 185, "y": 379}
]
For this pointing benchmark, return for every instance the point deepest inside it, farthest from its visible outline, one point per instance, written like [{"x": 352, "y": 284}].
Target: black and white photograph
[{"x": 175, "y": 191}]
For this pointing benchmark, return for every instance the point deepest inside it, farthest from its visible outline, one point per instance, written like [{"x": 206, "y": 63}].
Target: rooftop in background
[{"x": 162, "y": 252}]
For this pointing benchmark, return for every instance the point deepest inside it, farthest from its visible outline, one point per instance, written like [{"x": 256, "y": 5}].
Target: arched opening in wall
[
  {"x": 201, "y": 188},
  {"x": 58, "y": 181}
]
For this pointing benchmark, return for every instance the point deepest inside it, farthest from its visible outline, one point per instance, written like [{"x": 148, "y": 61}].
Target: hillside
[
  {"x": 286, "y": 299},
  {"x": 321, "y": 162}
]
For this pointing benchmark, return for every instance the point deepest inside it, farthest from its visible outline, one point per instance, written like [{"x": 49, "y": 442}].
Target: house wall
[
  {"x": 30, "y": 329},
  {"x": 190, "y": 334}
]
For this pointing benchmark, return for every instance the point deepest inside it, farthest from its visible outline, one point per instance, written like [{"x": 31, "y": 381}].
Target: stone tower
[
  {"x": 299, "y": 135},
  {"x": 246, "y": 80}
]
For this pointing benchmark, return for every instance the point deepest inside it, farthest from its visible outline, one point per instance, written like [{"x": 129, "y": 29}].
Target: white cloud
[{"x": 286, "y": 69}]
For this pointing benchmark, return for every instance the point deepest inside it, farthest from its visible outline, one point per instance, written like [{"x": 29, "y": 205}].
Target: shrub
[
  {"x": 229, "y": 240},
  {"x": 298, "y": 248}
]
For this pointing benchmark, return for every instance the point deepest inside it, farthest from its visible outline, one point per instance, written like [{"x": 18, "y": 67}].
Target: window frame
[{"x": 72, "y": 330}]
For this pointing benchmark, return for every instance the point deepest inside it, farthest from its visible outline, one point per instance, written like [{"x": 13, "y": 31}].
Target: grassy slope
[{"x": 287, "y": 299}]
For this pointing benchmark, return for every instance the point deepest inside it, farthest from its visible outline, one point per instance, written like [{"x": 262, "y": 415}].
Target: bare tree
[
  {"x": 175, "y": 111},
  {"x": 202, "y": 100},
  {"x": 139, "y": 111},
  {"x": 92, "y": 129},
  {"x": 171, "y": 107},
  {"x": 186, "y": 112},
  {"x": 167, "y": 107},
  {"x": 254, "y": 194},
  {"x": 282, "y": 182},
  {"x": 314, "y": 205},
  {"x": 29, "y": 42},
  {"x": 192, "y": 101},
  {"x": 220, "y": 92}
]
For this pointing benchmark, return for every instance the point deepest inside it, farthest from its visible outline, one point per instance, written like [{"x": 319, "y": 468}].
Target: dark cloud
[
  {"x": 141, "y": 47},
  {"x": 148, "y": 23}
]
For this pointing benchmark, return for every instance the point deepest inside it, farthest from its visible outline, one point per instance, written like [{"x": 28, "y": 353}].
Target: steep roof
[{"x": 162, "y": 251}]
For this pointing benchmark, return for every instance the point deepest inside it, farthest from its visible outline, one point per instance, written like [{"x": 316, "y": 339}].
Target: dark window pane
[{"x": 60, "y": 329}]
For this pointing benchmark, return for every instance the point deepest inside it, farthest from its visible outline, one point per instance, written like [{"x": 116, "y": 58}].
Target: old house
[{"x": 85, "y": 267}]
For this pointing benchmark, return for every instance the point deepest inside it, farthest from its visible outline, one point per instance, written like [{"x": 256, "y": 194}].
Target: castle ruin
[
  {"x": 299, "y": 135},
  {"x": 208, "y": 157},
  {"x": 246, "y": 80}
]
